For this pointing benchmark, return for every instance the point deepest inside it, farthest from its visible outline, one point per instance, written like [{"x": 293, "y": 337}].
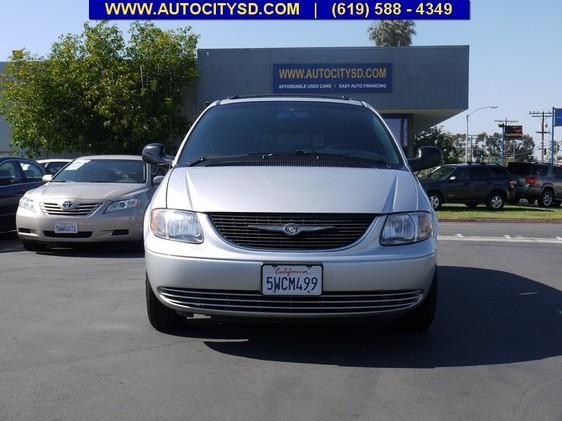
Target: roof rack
[{"x": 345, "y": 98}]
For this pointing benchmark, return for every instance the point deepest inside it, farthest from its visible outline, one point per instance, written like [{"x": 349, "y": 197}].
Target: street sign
[{"x": 557, "y": 117}]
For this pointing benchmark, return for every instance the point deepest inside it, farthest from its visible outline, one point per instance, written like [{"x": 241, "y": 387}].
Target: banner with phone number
[{"x": 279, "y": 9}]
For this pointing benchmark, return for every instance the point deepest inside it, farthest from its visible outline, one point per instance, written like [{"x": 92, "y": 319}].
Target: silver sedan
[{"x": 93, "y": 199}]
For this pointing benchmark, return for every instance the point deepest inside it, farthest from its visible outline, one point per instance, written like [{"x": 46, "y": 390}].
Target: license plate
[
  {"x": 291, "y": 280},
  {"x": 66, "y": 228}
]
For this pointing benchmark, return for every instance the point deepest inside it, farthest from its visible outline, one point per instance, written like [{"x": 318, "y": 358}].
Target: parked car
[
  {"x": 471, "y": 184},
  {"x": 53, "y": 166},
  {"x": 93, "y": 199},
  {"x": 17, "y": 176},
  {"x": 290, "y": 207},
  {"x": 537, "y": 182}
]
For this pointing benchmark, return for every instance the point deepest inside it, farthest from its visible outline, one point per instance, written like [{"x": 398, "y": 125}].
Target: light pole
[{"x": 490, "y": 107}]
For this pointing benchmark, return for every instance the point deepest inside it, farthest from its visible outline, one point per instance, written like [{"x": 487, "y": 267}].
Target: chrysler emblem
[
  {"x": 67, "y": 204},
  {"x": 291, "y": 229}
]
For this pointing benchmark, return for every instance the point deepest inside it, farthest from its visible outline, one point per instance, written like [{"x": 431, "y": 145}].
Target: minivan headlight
[
  {"x": 27, "y": 203},
  {"x": 176, "y": 225},
  {"x": 406, "y": 228}
]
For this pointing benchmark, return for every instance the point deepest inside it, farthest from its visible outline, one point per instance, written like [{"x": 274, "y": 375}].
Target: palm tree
[{"x": 392, "y": 33}]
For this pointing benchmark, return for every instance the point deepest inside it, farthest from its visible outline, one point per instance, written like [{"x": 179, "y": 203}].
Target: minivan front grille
[
  {"x": 79, "y": 209},
  {"x": 316, "y": 231},
  {"x": 343, "y": 302}
]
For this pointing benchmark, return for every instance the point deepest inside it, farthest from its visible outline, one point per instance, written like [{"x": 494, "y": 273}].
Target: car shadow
[
  {"x": 9, "y": 242},
  {"x": 484, "y": 317},
  {"x": 97, "y": 250}
]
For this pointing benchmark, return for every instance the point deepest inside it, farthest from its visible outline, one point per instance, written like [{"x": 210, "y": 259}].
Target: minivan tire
[
  {"x": 495, "y": 201},
  {"x": 546, "y": 198},
  {"x": 435, "y": 200},
  {"x": 30, "y": 245},
  {"x": 419, "y": 320},
  {"x": 162, "y": 318}
]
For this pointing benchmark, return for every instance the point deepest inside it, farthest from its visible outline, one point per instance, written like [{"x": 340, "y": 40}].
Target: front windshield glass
[
  {"x": 103, "y": 171},
  {"x": 441, "y": 173},
  {"x": 290, "y": 128}
]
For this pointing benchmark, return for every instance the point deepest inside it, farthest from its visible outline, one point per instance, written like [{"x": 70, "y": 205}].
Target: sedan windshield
[
  {"x": 103, "y": 171},
  {"x": 286, "y": 128}
]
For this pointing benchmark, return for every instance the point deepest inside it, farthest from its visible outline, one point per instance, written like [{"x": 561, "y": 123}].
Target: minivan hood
[
  {"x": 87, "y": 191},
  {"x": 292, "y": 190}
]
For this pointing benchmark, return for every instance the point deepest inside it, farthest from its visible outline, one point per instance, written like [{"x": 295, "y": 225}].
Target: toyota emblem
[{"x": 67, "y": 204}]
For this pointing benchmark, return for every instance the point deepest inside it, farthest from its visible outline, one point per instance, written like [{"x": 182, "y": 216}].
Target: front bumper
[
  {"x": 125, "y": 225},
  {"x": 216, "y": 278}
]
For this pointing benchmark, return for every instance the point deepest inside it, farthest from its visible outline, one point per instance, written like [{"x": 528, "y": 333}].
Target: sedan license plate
[
  {"x": 292, "y": 280},
  {"x": 66, "y": 228}
]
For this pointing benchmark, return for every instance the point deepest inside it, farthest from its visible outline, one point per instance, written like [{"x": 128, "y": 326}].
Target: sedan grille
[
  {"x": 328, "y": 303},
  {"x": 76, "y": 209},
  {"x": 314, "y": 231}
]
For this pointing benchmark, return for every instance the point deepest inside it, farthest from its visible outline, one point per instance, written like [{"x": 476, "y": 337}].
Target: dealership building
[{"x": 414, "y": 88}]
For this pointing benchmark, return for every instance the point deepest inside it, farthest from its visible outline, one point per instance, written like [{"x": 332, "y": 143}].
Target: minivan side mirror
[
  {"x": 47, "y": 177},
  {"x": 154, "y": 154},
  {"x": 428, "y": 157}
]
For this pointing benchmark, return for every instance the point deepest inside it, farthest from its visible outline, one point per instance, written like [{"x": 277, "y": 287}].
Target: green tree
[
  {"x": 521, "y": 150},
  {"x": 95, "y": 92},
  {"x": 392, "y": 33},
  {"x": 449, "y": 144}
]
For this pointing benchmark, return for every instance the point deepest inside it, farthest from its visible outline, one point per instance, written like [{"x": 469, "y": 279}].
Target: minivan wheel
[
  {"x": 419, "y": 319},
  {"x": 546, "y": 199},
  {"x": 30, "y": 245},
  {"x": 435, "y": 200},
  {"x": 161, "y": 318},
  {"x": 496, "y": 201}
]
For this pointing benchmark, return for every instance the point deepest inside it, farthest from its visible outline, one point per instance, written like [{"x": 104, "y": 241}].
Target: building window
[{"x": 398, "y": 125}]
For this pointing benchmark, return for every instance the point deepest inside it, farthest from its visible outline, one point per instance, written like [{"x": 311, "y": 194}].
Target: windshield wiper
[
  {"x": 319, "y": 154},
  {"x": 202, "y": 159}
]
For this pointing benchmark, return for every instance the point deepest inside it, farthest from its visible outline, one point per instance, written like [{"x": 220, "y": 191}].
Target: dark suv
[
  {"x": 537, "y": 182},
  {"x": 470, "y": 184}
]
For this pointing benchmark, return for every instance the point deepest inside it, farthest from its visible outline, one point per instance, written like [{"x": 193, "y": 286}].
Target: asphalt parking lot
[{"x": 75, "y": 344}]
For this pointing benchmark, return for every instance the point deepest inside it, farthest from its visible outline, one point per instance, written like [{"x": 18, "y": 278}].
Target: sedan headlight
[
  {"x": 176, "y": 225},
  {"x": 28, "y": 203},
  {"x": 406, "y": 228},
  {"x": 122, "y": 205}
]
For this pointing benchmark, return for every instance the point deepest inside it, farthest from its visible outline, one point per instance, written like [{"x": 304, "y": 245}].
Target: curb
[{"x": 505, "y": 221}]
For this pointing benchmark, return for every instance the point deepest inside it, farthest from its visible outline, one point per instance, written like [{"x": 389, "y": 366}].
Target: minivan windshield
[
  {"x": 290, "y": 128},
  {"x": 103, "y": 171}
]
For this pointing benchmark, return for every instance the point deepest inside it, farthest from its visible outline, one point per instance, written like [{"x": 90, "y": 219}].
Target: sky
[{"x": 515, "y": 47}]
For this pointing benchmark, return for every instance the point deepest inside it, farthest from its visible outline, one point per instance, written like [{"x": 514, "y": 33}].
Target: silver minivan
[{"x": 290, "y": 208}]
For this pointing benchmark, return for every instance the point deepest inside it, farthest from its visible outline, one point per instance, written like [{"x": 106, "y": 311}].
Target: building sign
[
  {"x": 513, "y": 132},
  {"x": 332, "y": 78}
]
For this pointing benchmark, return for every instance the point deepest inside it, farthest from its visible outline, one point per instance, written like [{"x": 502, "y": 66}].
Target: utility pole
[
  {"x": 543, "y": 115},
  {"x": 503, "y": 124}
]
